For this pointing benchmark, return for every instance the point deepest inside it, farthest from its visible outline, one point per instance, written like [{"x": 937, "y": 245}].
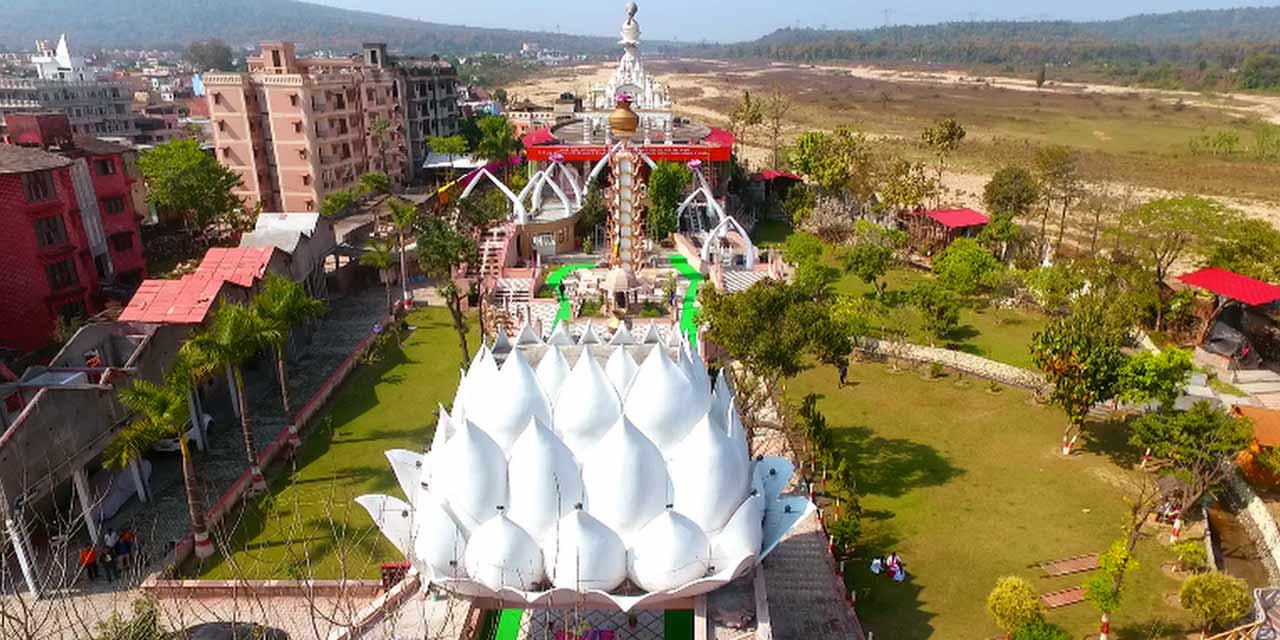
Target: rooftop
[
  {"x": 1233, "y": 285},
  {"x": 188, "y": 300},
  {"x": 15, "y": 159},
  {"x": 958, "y": 218},
  {"x": 99, "y": 147}
]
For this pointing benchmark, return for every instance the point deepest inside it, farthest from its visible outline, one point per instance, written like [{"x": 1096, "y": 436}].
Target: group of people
[
  {"x": 111, "y": 557},
  {"x": 891, "y": 566}
]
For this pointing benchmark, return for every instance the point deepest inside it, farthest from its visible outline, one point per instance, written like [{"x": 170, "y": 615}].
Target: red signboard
[{"x": 658, "y": 152}]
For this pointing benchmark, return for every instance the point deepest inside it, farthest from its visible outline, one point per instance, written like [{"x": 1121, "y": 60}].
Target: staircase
[
  {"x": 1262, "y": 384},
  {"x": 493, "y": 250}
]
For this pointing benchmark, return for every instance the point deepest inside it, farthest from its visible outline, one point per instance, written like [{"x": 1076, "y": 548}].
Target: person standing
[
  {"x": 844, "y": 373},
  {"x": 107, "y": 562},
  {"x": 89, "y": 562}
]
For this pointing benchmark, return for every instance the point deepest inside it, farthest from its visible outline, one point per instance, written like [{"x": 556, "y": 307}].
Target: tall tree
[
  {"x": 1105, "y": 589},
  {"x": 184, "y": 180},
  {"x": 441, "y": 250},
  {"x": 337, "y": 203},
  {"x": 1080, "y": 356},
  {"x": 210, "y": 55},
  {"x": 161, "y": 413},
  {"x": 906, "y": 186},
  {"x": 668, "y": 183},
  {"x": 498, "y": 141},
  {"x": 775, "y": 110},
  {"x": 874, "y": 252},
  {"x": 1249, "y": 247},
  {"x": 938, "y": 308},
  {"x": 380, "y": 254},
  {"x": 285, "y": 305},
  {"x": 963, "y": 265},
  {"x": 1154, "y": 377},
  {"x": 1012, "y": 190},
  {"x": 745, "y": 117},
  {"x": 1199, "y": 444},
  {"x": 942, "y": 139},
  {"x": 234, "y": 335},
  {"x": 840, "y": 162},
  {"x": 404, "y": 215},
  {"x": 1058, "y": 168}
]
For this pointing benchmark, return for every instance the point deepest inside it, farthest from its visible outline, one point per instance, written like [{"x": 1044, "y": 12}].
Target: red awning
[
  {"x": 535, "y": 138},
  {"x": 1233, "y": 285},
  {"x": 771, "y": 175},
  {"x": 958, "y": 218}
]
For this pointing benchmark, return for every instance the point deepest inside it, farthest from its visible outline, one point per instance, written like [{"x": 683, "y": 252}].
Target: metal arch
[{"x": 719, "y": 232}]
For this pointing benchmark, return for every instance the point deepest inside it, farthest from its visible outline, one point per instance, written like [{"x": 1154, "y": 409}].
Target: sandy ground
[{"x": 966, "y": 188}]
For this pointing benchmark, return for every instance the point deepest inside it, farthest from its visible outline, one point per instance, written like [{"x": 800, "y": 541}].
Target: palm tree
[
  {"x": 283, "y": 305},
  {"x": 403, "y": 216},
  {"x": 162, "y": 413},
  {"x": 235, "y": 335},
  {"x": 498, "y": 141},
  {"x": 380, "y": 254}
]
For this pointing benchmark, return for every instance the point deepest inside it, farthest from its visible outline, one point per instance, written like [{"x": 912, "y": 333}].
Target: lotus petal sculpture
[{"x": 626, "y": 485}]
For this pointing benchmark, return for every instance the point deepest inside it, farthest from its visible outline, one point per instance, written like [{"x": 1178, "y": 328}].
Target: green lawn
[
  {"x": 1003, "y": 336},
  {"x": 770, "y": 231},
  {"x": 968, "y": 486},
  {"x": 308, "y": 525}
]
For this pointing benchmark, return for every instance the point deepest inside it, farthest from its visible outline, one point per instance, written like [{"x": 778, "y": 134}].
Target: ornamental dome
[
  {"x": 668, "y": 552},
  {"x": 621, "y": 370},
  {"x": 583, "y": 554},
  {"x": 662, "y": 402},
  {"x": 543, "y": 480},
  {"x": 501, "y": 554},
  {"x": 473, "y": 497},
  {"x": 625, "y": 479},
  {"x": 522, "y": 400},
  {"x": 709, "y": 476},
  {"x": 552, "y": 372},
  {"x": 587, "y": 406}
]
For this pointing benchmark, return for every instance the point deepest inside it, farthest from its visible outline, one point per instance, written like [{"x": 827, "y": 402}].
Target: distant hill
[
  {"x": 1177, "y": 38},
  {"x": 126, "y": 23}
]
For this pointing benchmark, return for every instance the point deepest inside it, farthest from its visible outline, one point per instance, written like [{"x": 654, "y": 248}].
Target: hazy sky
[{"x": 728, "y": 20}]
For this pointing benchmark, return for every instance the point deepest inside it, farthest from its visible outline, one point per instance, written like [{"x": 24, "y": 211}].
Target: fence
[{"x": 958, "y": 360}]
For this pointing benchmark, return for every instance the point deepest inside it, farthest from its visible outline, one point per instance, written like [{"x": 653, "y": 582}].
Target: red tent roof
[
  {"x": 770, "y": 175},
  {"x": 958, "y": 218},
  {"x": 540, "y": 136},
  {"x": 1233, "y": 285}
]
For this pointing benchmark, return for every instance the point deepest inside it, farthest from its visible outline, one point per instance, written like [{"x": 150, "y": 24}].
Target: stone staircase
[
  {"x": 1262, "y": 384},
  {"x": 493, "y": 247}
]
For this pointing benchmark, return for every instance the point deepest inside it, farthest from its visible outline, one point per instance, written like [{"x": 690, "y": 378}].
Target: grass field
[
  {"x": 968, "y": 486},
  {"x": 308, "y": 525}
]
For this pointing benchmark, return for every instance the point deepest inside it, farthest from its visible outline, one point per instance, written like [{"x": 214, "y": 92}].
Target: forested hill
[
  {"x": 148, "y": 23},
  {"x": 1227, "y": 36}
]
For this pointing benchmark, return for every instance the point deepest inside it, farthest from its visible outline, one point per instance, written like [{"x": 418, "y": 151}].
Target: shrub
[
  {"x": 1215, "y": 598},
  {"x": 964, "y": 265},
  {"x": 936, "y": 370},
  {"x": 590, "y": 309},
  {"x": 1041, "y": 629},
  {"x": 1014, "y": 604},
  {"x": 1191, "y": 555}
]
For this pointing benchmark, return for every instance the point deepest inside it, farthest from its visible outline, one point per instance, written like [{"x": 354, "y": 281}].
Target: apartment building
[
  {"x": 95, "y": 107},
  {"x": 297, "y": 129},
  {"x": 431, "y": 103}
]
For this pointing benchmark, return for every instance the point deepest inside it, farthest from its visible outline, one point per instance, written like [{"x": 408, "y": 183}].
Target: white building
[
  {"x": 649, "y": 97},
  {"x": 57, "y": 63}
]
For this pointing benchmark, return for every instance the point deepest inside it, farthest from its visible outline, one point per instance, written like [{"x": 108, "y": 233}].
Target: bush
[
  {"x": 936, "y": 370},
  {"x": 1014, "y": 604},
  {"x": 964, "y": 265},
  {"x": 939, "y": 309},
  {"x": 653, "y": 310},
  {"x": 591, "y": 309},
  {"x": 1041, "y": 629},
  {"x": 1216, "y": 598},
  {"x": 1191, "y": 555}
]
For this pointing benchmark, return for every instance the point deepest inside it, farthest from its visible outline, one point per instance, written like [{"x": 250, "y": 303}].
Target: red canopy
[
  {"x": 770, "y": 175},
  {"x": 1233, "y": 285},
  {"x": 958, "y": 218}
]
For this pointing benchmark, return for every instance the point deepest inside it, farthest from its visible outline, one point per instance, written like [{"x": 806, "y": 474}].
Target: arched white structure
[
  {"x": 588, "y": 500},
  {"x": 517, "y": 208},
  {"x": 550, "y": 177}
]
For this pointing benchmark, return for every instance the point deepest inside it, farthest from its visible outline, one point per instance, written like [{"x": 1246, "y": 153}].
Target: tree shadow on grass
[
  {"x": 887, "y": 608},
  {"x": 1111, "y": 438},
  {"x": 892, "y": 466}
]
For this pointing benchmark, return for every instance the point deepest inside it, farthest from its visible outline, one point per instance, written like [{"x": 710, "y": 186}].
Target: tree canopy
[
  {"x": 1011, "y": 190},
  {"x": 1165, "y": 230},
  {"x": 1216, "y": 599},
  {"x": 1080, "y": 356},
  {"x": 1199, "y": 444},
  {"x": 667, "y": 185},
  {"x": 1014, "y": 603},
  {"x": 184, "y": 180},
  {"x": 207, "y": 55},
  {"x": 963, "y": 265}
]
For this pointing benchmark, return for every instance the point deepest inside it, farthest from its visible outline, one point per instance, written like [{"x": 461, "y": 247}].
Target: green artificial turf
[
  {"x": 968, "y": 486},
  {"x": 553, "y": 280},
  {"x": 689, "y": 312},
  {"x": 308, "y": 525}
]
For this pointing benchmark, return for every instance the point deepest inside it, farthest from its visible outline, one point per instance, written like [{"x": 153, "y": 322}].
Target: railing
[{"x": 1245, "y": 632}]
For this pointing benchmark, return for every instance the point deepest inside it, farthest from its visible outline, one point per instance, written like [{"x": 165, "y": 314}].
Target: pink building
[{"x": 298, "y": 129}]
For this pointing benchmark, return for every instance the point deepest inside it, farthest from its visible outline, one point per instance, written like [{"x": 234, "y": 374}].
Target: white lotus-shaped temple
[{"x": 608, "y": 485}]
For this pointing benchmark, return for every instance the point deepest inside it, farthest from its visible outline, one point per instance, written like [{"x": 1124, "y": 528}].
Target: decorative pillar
[{"x": 81, "y": 482}]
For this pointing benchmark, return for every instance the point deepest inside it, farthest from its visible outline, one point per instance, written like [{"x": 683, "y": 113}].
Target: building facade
[
  {"x": 296, "y": 130},
  {"x": 70, "y": 226},
  {"x": 431, "y": 104},
  {"x": 63, "y": 83}
]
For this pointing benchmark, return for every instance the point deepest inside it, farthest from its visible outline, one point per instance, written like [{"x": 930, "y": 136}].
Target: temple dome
[
  {"x": 588, "y": 405},
  {"x": 543, "y": 480},
  {"x": 625, "y": 479},
  {"x": 481, "y": 376},
  {"x": 552, "y": 371},
  {"x": 438, "y": 542},
  {"x": 582, "y": 554},
  {"x": 669, "y": 552},
  {"x": 501, "y": 554},
  {"x": 470, "y": 475},
  {"x": 709, "y": 476},
  {"x": 741, "y": 536},
  {"x": 662, "y": 402},
  {"x": 521, "y": 400},
  {"x": 621, "y": 370}
]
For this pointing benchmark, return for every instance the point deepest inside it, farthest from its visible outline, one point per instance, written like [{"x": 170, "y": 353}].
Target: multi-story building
[
  {"x": 95, "y": 107},
  {"x": 431, "y": 103},
  {"x": 69, "y": 223},
  {"x": 296, "y": 130}
]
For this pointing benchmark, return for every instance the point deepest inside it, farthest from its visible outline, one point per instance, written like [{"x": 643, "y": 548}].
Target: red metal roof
[
  {"x": 1233, "y": 285},
  {"x": 541, "y": 136},
  {"x": 958, "y": 218},
  {"x": 770, "y": 175},
  {"x": 188, "y": 300}
]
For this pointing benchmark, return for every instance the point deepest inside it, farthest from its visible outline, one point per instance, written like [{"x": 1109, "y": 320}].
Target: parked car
[{"x": 170, "y": 445}]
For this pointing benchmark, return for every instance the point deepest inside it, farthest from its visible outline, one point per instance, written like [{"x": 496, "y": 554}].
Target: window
[
  {"x": 311, "y": 205},
  {"x": 113, "y": 205},
  {"x": 297, "y": 126},
  {"x": 275, "y": 57},
  {"x": 39, "y": 185},
  {"x": 105, "y": 167},
  {"x": 222, "y": 125},
  {"x": 122, "y": 241},
  {"x": 50, "y": 231},
  {"x": 306, "y": 180},
  {"x": 293, "y": 99},
  {"x": 62, "y": 274},
  {"x": 217, "y": 97}
]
